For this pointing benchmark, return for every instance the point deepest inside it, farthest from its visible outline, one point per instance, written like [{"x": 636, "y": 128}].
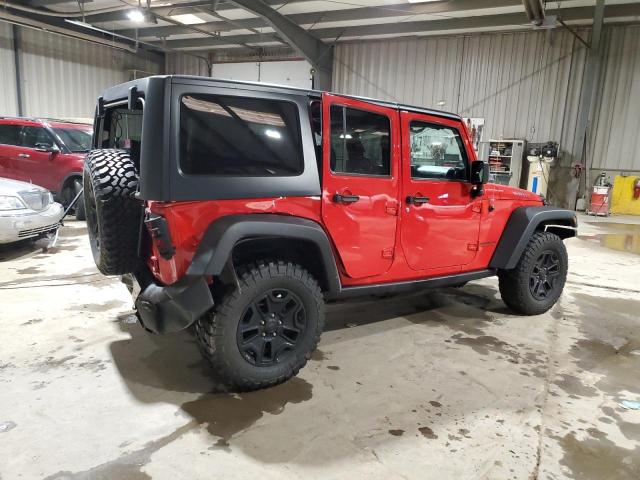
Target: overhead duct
[{"x": 535, "y": 11}]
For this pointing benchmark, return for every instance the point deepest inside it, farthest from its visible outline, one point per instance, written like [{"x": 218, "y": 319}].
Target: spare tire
[{"x": 113, "y": 213}]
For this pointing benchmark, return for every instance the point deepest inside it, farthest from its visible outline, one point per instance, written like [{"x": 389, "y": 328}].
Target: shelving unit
[{"x": 505, "y": 160}]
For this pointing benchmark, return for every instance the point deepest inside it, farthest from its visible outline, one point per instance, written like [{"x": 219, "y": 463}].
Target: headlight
[
  {"x": 11, "y": 203},
  {"x": 49, "y": 197}
]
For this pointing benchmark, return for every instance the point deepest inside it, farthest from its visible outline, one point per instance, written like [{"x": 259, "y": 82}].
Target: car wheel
[
  {"x": 536, "y": 282},
  {"x": 79, "y": 207},
  {"x": 113, "y": 215},
  {"x": 263, "y": 333}
]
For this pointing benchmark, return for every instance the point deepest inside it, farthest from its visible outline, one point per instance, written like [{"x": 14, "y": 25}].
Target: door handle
[
  {"x": 24, "y": 155},
  {"x": 416, "y": 200},
  {"x": 338, "y": 198}
]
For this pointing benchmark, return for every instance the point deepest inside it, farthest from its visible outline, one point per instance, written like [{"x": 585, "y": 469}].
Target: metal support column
[
  {"x": 587, "y": 92},
  {"x": 317, "y": 53},
  {"x": 15, "y": 30}
]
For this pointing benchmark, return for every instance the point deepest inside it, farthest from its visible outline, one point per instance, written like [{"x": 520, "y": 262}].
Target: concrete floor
[{"x": 446, "y": 384}]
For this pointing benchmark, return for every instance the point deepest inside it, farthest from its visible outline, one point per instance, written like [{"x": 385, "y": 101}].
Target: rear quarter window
[{"x": 239, "y": 136}]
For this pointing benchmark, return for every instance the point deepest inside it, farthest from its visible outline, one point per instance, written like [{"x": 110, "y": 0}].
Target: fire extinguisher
[{"x": 636, "y": 188}]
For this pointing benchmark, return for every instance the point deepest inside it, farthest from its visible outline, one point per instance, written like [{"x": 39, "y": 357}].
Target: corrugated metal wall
[
  {"x": 525, "y": 85},
  {"x": 186, "y": 64},
  {"x": 8, "y": 100},
  {"x": 62, "y": 77},
  {"x": 516, "y": 81},
  {"x": 616, "y": 126}
]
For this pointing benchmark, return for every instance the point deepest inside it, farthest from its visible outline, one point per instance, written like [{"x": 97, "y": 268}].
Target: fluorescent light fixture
[
  {"x": 187, "y": 19},
  {"x": 273, "y": 134},
  {"x": 136, "y": 16}
]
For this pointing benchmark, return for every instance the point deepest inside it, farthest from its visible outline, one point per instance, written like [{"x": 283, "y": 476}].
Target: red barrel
[{"x": 599, "y": 204}]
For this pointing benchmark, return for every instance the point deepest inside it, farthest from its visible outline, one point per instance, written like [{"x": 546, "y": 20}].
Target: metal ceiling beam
[
  {"x": 317, "y": 53},
  {"x": 364, "y": 13},
  {"x": 175, "y": 9},
  {"x": 431, "y": 26}
]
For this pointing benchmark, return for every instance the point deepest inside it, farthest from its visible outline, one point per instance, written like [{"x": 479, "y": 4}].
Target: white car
[{"x": 26, "y": 211}]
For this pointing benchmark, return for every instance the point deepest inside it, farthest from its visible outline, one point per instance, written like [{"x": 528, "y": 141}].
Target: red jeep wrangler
[
  {"x": 48, "y": 153},
  {"x": 243, "y": 207}
]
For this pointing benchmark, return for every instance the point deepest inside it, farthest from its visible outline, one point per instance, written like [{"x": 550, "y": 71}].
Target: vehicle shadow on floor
[{"x": 169, "y": 368}]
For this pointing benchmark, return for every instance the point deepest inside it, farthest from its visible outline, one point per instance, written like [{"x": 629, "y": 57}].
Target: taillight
[{"x": 159, "y": 230}]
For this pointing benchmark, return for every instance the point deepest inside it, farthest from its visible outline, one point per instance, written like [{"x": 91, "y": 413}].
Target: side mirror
[
  {"x": 46, "y": 147},
  {"x": 479, "y": 172}
]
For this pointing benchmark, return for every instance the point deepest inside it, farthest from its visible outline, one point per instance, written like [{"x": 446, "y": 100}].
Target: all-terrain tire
[
  {"x": 113, "y": 214},
  {"x": 79, "y": 207},
  {"x": 517, "y": 285},
  {"x": 218, "y": 331}
]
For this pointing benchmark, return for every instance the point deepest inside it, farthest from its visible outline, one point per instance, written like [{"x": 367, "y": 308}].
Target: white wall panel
[
  {"x": 295, "y": 73},
  {"x": 8, "y": 101},
  {"x": 62, "y": 77}
]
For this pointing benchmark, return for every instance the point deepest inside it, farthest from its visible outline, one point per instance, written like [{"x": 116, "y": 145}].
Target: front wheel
[
  {"x": 263, "y": 333},
  {"x": 79, "y": 208},
  {"x": 536, "y": 282}
]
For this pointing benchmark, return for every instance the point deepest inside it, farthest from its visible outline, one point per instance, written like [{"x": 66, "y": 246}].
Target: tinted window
[
  {"x": 10, "y": 134},
  {"x": 222, "y": 135},
  {"x": 437, "y": 151},
  {"x": 75, "y": 139},
  {"x": 31, "y": 136},
  {"x": 359, "y": 142}
]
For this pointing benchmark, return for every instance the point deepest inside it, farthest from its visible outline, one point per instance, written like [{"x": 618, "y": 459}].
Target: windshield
[{"x": 75, "y": 139}]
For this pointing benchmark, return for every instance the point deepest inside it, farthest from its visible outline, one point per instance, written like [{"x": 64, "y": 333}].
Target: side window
[
  {"x": 31, "y": 136},
  {"x": 9, "y": 134},
  {"x": 437, "y": 152},
  {"x": 359, "y": 142},
  {"x": 239, "y": 136}
]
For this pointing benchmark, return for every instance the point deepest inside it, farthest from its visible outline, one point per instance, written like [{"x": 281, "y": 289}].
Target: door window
[
  {"x": 359, "y": 142},
  {"x": 10, "y": 134},
  {"x": 437, "y": 152},
  {"x": 31, "y": 136}
]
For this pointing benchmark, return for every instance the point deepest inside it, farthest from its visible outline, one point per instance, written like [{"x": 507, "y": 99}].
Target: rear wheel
[
  {"x": 264, "y": 333},
  {"x": 536, "y": 282},
  {"x": 113, "y": 215}
]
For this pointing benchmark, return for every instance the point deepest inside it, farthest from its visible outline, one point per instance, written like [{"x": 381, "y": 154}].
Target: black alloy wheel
[
  {"x": 270, "y": 327},
  {"x": 544, "y": 274}
]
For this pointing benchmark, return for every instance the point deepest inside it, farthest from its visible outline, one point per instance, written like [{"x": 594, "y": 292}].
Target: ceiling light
[
  {"x": 136, "y": 16},
  {"x": 188, "y": 19}
]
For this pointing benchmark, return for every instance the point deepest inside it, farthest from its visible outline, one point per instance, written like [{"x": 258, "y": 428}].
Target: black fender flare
[
  {"x": 223, "y": 235},
  {"x": 522, "y": 223}
]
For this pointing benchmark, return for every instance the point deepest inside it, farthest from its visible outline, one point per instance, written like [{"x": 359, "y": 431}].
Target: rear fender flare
[
  {"x": 522, "y": 223},
  {"x": 218, "y": 242}
]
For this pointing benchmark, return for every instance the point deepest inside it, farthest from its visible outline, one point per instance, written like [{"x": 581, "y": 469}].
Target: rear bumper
[
  {"x": 18, "y": 225},
  {"x": 170, "y": 308}
]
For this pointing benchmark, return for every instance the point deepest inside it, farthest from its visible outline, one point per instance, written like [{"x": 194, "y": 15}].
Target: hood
[
  {"x": 12, "y": 187},
  {"x": 505, "y": 192}
]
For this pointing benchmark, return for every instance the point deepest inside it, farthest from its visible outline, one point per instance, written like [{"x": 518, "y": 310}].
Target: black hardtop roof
[{"x": 120, "y": 91}]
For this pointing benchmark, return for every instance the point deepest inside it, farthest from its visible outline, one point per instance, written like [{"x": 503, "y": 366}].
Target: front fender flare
[
  {"x": 522, "y": 223},
  {"x": 223, "y": 234}
]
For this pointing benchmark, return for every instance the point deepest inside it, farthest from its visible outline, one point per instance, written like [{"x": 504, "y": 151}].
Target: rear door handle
[
  {"x": 416, "y": 200},
  {"x": 338, "y": 198},
  {"x": 24, "y": 155}
]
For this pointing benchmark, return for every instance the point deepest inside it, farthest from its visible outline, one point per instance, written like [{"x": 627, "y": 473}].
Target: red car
[
  {"x": 48, "y": 153},
  {"x": 243, "y": 208}
]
